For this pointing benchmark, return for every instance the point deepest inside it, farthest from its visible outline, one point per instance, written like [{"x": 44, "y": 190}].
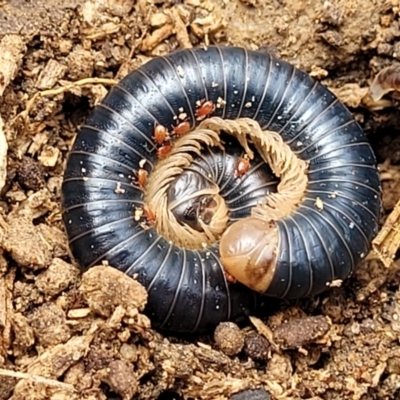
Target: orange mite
[
  {"x": 182, "y": 128},
  {"x": 205, "y": 109},
  {"x": 149, "y": 214},
  {"x": 242, "y": 166},
  {"x": 142, "y": 177},
  {"x": 164, "y": 150},
  {"x": 160, "y": 134}
]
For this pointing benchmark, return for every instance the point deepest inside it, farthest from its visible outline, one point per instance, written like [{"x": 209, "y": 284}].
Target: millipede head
[{"x": 248, "y": 250}]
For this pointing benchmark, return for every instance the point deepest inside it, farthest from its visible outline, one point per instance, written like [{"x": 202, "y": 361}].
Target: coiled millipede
[{"x": 138, "y": 158}]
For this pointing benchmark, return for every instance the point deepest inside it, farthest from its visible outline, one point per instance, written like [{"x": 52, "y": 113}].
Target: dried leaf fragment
[
  {"x": 50, "y": 74},
  {"x": 11, "y": 53},
  {"x": 387, "y": 242},
  {"x": 3, "y": 155},
  {"x": 182, "y": 35},
  {"x": 49, "y": 156}
]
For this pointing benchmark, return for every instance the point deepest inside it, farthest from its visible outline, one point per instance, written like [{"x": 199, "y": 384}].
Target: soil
[{"x": 68, "y": 335}]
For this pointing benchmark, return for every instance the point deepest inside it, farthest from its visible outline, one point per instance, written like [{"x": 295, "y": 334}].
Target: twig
[
  {"x": 62, "y": 89},
  {"x": 37, "y": 379}
]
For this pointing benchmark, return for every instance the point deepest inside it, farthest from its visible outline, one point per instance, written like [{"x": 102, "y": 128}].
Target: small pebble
[
  {"x": 229, "y": 338},
  {"x": 122, "y": 378},
  {"x": 57, "y": 277},
  {"x": 256, "y": 346},
  {"x": 257, "y": 394},
  {"x": 31, "y": 174},
  {"x": 393, "y": 365},
  {"x": 104, "y": 288},
  {"x": 129, "y": 352},
  {"x": 301, "y": 331},
  {"x": 49, "y": 325}
]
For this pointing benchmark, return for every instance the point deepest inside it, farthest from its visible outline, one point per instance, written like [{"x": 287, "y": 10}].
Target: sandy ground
[{"x": 58, "y": 340}]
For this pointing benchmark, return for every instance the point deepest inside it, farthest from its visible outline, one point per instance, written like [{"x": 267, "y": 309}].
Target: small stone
[
  {"x": 129, "y": 352},
  {"x": 80, "y": 63},
  {"x": 49, "y": 325},
  {"x": 120, "y": 8},
  {"x": 256, "y": 346},
  {"x": 384, "y": 49},
  {"x": 78, "y": 313},
  {"x": 31, "y": 174},
  {"x": 229, "y": 338},
  {"x": 23, "y": 335},
  {"x": 332, "y": 37},
  {"x": 301, "y": 331},
  {"x": 57, "y": 277},
  {"x": 35, "y": 253},
  {"x": 256, "y": 394},
  {"x": 7, "y": 384},
  {"x": 159, "y": 19},
  {"x": 393, "y": 366},
  {"x": 105, "y": 288},
  {"x": 122, "y": 379}
]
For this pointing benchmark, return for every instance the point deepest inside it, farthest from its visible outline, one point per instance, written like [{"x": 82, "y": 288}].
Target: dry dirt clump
[{"x": 65, "y": 334}]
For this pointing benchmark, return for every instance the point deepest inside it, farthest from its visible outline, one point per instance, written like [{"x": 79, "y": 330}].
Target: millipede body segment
[{"x": 323, "y": 240}]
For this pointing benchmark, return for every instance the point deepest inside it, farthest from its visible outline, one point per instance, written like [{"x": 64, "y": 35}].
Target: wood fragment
[
  {"x": 387, "y": 242},
  {"x": 3, "y": 156},
  {"x": 11, "y": 53},
  {"x": 37, "y": 379},
  {"x": 50, "y": 74},
  {"x": 151, "y": 41},
  {"x": 6, "y": 311},
  {"x": 181, "y": 31},
  {"x": 52, "y": 364},
  {"x": 265, "y": 331},
  {"x": 67, "y": 87}
]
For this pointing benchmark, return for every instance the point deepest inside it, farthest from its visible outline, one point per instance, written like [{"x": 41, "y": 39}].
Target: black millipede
[{"x": 296, "y": 256}]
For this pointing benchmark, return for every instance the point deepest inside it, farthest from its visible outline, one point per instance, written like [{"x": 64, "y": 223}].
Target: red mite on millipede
[
  {"x": 205, "y": 109},
  {"x": 181, "y": 128},
  {"x": 150, "y": 217},
  {"x": 242, "y": 166},
  {"x": 142, "y": 177},
  {"x": 160, "y": 134},
  {"x": 164, "y": 150}
]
